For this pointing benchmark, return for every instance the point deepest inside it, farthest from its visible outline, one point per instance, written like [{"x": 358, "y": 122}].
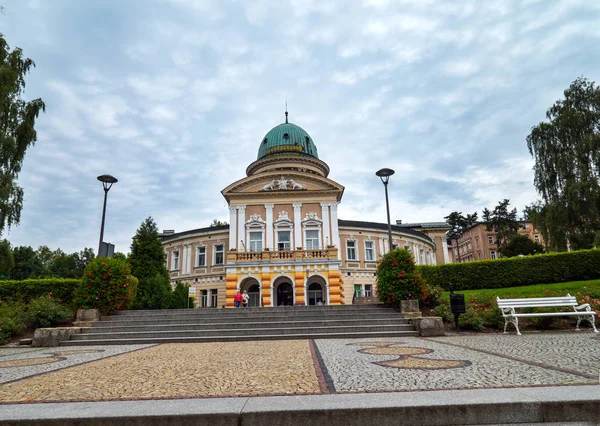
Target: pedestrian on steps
[
  {"x": 237, "y": 300},
  {"x": 245, "y": 299}
]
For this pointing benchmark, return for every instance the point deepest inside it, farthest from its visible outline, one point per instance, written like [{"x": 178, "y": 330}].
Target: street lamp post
[
  {"x": 107, "y": 183},
  {"x": 384, "y": 175}
]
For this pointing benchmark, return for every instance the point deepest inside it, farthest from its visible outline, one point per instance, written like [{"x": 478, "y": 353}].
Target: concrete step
[
  {"x": 247, "y": 332},
  {"x": 258, "y": 309},
  {"x": 107, "y": 326},
  {"x": 235, "y": 338},
  {"x": 240, "y": 318}
]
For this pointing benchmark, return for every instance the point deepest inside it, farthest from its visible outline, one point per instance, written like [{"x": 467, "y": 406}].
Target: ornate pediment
[{"x": 283, "y": 184}]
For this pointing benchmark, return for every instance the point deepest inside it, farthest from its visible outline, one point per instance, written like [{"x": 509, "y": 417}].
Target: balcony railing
[{"x": 278, "y": 255}]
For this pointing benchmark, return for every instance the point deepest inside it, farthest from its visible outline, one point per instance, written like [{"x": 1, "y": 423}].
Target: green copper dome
[{"x": 287, "y": 137}]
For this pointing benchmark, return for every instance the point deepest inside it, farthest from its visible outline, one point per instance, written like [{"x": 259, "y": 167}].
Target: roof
[
  {"x": 424, "y": 225},
  {"x": 174, "y": 236},
  {"x": 383, "y": 227},
  {"x": 287, "y": 137}
]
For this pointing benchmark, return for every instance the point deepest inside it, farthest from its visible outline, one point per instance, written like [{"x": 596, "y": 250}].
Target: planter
[
  {"x": 86, "y": 316},
  {"x": 410, "y": 308}
]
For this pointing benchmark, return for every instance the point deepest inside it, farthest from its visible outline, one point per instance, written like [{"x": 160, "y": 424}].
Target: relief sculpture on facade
[{"x": 282, "y": 184}]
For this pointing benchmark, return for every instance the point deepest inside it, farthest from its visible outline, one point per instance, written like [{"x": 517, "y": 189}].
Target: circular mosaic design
[
  {"x": 408, "y": 356},
  {"x": 29, "y": 362}
]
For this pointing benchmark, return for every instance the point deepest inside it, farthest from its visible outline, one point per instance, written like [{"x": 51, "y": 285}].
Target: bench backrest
[{"x": 537, "y": 302}]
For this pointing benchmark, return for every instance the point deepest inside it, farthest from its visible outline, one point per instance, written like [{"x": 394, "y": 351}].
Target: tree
[
  {"x": 83, "y": 258},
  {"x": 521, "y": 245},
  {"x": 147, "y": 259},
  {"x": 27, "y": 264},
  {"x": 64, "y": 265},
  {"x": 7, "y": 261},
  {"x": 217, "y": 222},
  {"x": 502, "y": 222},
  {"x": 17, "y": 130},
  {"x": 458, "y": 224},
  {"x": 45, "y": 257},
  {"x": 566, "y": 150}
]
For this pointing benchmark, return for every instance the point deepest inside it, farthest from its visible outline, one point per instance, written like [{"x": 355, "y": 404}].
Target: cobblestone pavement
[
  {"x": 297, "y": 367},
  {"x": 413, "y": 363},
  {"x": 178, "y": 371}
]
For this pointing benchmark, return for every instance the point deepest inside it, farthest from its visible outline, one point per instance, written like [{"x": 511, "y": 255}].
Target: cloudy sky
[{"x": 173, "y": 97}]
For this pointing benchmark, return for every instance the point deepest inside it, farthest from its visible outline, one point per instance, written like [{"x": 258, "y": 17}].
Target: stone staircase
[{"x": 223, "y": 325}]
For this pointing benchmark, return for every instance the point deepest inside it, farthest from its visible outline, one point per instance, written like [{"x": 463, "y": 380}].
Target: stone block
[
  {"x": 429, "y": 326},
  {"x": 85, "y": 315},
  {"x": 411, "y": 315},
  {"x": 366, "y": 301},
  {"x": 51, "y": 337},
  {"x": 409, "y": 305}
]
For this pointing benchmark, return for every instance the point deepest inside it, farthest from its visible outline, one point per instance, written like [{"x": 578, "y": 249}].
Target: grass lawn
[{"x": 539, "y": 290}]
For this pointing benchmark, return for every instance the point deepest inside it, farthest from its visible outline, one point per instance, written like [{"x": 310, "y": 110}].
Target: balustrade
[{"x": 257, "y": 256}]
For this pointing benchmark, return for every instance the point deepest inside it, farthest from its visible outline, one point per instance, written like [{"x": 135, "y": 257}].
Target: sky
[{"x": 173, "y": 97}]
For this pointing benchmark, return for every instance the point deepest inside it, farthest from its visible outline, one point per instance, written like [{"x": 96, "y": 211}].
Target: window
[
  {"x": 357, "y": 290},
  {"x": 213, "y": 297},
  {"x": 284, "y": 240},
  {"x": 175, "y": 260},
  {"x": 407, "y": 248},
  {"x": 536, "y": 238},
  {"x": 369, "y": 252},
  {"x": 491, "y": 240},
  {"x": 218, "y": 254},
  {"x": 312, "y": 239},
  {"x": 368, "y": 290},
  {"x": 204, "y": 299},
  {"x": 201, "y": 256},
  {"x": 493, "y": 254},
  {"x": 477, "y": 242},
  {"x": 256, "y": 241},
  {"x": 351, "y": 250}
]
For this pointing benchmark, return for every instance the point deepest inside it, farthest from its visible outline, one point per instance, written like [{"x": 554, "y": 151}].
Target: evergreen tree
[
  {"x": 503, "y": 222},
  {"x": 27, "y": 264},
  {"x": 566, "y": 150},
  {"x": 7, "y": 261},
  {"x": 458, "y": 224},
  {"x": 147, "y": 260},
  {"x": 17, "y": 131},
  {"x": 521, "y": 245}
]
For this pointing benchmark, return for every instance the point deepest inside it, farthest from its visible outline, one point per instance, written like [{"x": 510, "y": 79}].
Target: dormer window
[{"x": 286, "y": 136}]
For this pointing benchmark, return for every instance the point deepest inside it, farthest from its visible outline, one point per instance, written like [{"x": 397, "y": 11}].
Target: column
[
  {"x": 445, "y": 249},
  {"x": 232, "y": 228},
  {"x": 269, "y": 230},
  {"x": 381, "y": 247},
  {"x": 325, "y": 217},
  {"x": 298, "y": 225},
  {"x": 335, "y": 233},
  {"x": 190, "y": 258},
  {"x": 241, "y": 235}
]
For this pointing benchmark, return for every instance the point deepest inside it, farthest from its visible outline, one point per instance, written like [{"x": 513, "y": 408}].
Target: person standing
[
  {"x": 245, "y": 299},
  {"x": 237, "y": 299}
]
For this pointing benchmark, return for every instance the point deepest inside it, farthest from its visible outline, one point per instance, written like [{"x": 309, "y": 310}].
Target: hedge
[
  {"x": 26, "y": 290},
  {"x": 515, "y": 271}
]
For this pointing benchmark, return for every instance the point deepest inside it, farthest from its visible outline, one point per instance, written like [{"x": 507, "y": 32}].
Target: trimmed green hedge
[
  {"x": 515, "y": 271},
  {"x": 25, "y": 290}
]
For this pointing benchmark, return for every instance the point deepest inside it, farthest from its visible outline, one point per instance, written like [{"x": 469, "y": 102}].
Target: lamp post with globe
[
  {"x": 107, "y": 183},
  {"x": 384, "y": 175}
]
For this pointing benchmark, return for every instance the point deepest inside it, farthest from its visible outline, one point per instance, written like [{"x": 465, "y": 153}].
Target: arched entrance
[
  {"x": 315, "y": 294},
  {"x": 285, "y": 294},
  {"x": 252, "y": 286}
]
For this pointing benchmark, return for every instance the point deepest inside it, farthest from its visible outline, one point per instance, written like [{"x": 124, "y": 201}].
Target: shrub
[
  {"x": 443, "y": 310},
  {"x": 180, "y": 297},
  {"x": 515, "y": 271},
  {"x": 157, "y": 294},
  {"x": 107, "y": 285},
  {"x": 471, "y": 320},
  {"x": 12, "y": 320},
  {"x": 430, "y": 294},
  {"x": 46, "y": 312},
  {"x": 397, "y": 278},
  {"x": 62, "y": 289}
]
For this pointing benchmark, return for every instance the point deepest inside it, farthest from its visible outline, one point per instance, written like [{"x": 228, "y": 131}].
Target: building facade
[
  {"x": 284, "y": 243},
  {"x": 477, "y": 243}
]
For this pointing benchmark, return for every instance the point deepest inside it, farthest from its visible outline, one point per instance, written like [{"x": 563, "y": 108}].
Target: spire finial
[{"x": 286, "y": 112}]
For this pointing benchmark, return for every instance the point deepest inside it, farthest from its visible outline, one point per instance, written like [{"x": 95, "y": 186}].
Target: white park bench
[{"x": 509, "y": 307}]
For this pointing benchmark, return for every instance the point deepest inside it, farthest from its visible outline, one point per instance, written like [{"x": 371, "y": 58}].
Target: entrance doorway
[
  {"x": 285, "y": 294},
  {"x": 315, "y": 294},
  {"x": 254, "y": 293}
]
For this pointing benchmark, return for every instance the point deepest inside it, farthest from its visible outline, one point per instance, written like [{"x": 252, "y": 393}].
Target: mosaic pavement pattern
[{"x": 195, "y": 370}]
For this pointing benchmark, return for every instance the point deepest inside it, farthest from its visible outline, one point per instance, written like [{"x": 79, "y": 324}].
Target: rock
[
  {"x": 51, "y": 337},
  {"x": 25, "y": 341},
  {"x": 429, "y": 326}
]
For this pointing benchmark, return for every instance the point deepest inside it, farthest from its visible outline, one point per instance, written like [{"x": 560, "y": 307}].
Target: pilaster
[
  {"x": 269, "y": 230},
  {"x": 335, "y": 233},
  {"x": 298, "y": 241},
  {"x": 232, "y": 227},
  {"x": 241, "y": 235},
  {"x": 326, "y": 234}
]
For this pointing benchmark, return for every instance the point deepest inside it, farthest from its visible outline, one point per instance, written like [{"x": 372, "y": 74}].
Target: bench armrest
[
  {"x": 585, "y": 305},
  {"x": 508, "y": 310}
]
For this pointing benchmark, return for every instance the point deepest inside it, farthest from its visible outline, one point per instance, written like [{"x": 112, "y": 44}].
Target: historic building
[{"x": 285, "y": 243}]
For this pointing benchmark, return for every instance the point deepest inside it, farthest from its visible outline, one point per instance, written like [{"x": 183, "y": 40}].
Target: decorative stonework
[
  {"x": 282, "y": 184},
  {"x": 255, "y": 219},
  {"x": 408, "y": 356}
]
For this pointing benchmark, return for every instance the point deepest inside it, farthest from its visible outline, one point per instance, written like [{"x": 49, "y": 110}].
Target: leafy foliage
[
  {"x": 26, "y": 290},
  {"x": 180, "y": 297},
  {"x": 217, "y": 222},
  {"x": 107, "y": 285},
  {"x": 157, "y": 294},
  {"x": 502, "y": 222},
  {"x": 7, "y": 260},
  {"x": 397, "y": 278},
  {"x": 46, "y": 312},
  {"x": 12, "y": 320},
  {"x": 521, "y": 245},
  {"x": 147, "y": 259},
  {"x": 515, "y": 271},
  {"x": 17, "y": 130},
  {"x": 566, "y": 150}
]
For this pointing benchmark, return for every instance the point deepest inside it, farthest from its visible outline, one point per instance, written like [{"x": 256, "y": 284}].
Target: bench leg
[
  {"x": 592, "y": 320},
  {"x": 578, "y": 321},
  {"x": 515, "y": 322}
]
